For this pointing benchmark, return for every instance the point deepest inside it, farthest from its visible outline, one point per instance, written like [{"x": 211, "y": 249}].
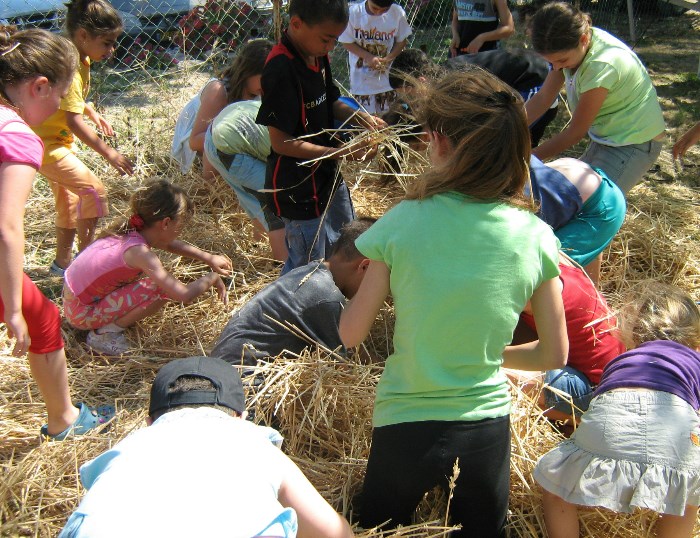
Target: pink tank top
[
  {"x": 18, "y": 144},
  {"x": 100, "y": 268}
]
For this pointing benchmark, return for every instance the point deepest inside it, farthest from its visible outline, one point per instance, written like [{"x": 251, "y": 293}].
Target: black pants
[
  {"x": 537, "y": 128},
  {"x": 406, "y": 460}
]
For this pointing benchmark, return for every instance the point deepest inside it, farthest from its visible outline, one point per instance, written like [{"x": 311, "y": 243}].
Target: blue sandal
[{"x": 89, "y": 419}]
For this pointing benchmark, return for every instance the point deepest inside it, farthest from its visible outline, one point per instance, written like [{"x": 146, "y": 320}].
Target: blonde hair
[
  {"x": 484, "y": 120},
  {"x": 34, "y": 53},
  {"x": 660, "y": 312},
  {"x": 249, "y": 62},
  {"x": 151, "y": 203}
]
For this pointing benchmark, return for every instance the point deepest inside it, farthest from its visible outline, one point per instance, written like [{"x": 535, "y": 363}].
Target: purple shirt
[{"x": 659, "y": 365}]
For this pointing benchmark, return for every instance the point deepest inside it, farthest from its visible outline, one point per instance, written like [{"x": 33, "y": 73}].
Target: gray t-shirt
[{"x": 306, "y": 298}]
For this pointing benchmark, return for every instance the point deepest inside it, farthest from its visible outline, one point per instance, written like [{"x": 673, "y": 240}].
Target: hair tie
[
  {"x": 502, "y": 98},
  {"x": 8, "y": 51},
  {"x": 136, "y": 222}
]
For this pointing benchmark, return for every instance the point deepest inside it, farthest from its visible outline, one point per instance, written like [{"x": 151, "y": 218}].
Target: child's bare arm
[
  {"x": 686, "y": 141},
  {"x": 395, "y": 51},
  {"x": 142, "y": 258},
  {"x": 220, "y": 264},
  {"x": 97, "y": 118},
  {"x": 315, "y": 516},
  {"x": 343, "y": 112},
  {"x": 359, "y": 314},
  {"x": 454, "y": 26},
  {"x": 588, "y": 106},
  {"x": 552, "y": 348},
  {"x": 88, "y": 135},
  {"x": 370, "y": 60},
  {"x": 505, "y": 29}
]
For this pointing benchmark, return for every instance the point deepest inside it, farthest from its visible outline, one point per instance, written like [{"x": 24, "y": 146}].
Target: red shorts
[{"x": 42, "y": 317}]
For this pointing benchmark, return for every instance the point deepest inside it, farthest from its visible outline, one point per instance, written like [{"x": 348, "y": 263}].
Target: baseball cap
[{"x": 228, "y": 390}]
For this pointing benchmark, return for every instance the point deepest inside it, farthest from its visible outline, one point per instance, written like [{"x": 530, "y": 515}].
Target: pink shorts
[
  {"x": 42, "y": 318},
  {"x": 139, "y": 294}
]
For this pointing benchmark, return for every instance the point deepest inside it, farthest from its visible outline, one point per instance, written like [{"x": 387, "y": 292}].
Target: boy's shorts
[
  {"x": 573, "y": 383},
  {"x": 42, "y": 318},
  {"x": 79, "y": 193},
  {"x": 377, "y": 103},
  {"x": 591, "y": 230},
  {"x": 139, "y": 294},
  {"x": 313, "y": 239},
  {"x": 246, "y": 176}
]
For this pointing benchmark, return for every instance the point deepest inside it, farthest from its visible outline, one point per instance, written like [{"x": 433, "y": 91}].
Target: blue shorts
[
  {"x": 591, "y": 230},
  {"x": 246, "y": 176},
  {"x": 313, "y": 239},
  {"x": 572, "y": 382}
]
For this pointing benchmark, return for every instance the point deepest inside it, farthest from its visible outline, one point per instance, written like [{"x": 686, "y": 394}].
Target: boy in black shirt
[{"x": 299, "y": 101}]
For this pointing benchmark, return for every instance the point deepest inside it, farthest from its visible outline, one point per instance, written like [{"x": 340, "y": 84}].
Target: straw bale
[{"x": 322, "y": 403}]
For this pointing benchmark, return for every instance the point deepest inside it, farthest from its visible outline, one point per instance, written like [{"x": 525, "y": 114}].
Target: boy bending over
[{"x": 199, "y": 469}]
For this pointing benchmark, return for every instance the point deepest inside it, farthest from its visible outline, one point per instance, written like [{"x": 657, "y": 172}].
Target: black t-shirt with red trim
[{"x": 298, "y": 192}]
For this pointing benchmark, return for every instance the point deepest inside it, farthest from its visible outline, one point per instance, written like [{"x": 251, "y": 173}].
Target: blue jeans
[
  {"x": 313, "y": 239},
  {"x": 572, "y": 382}
]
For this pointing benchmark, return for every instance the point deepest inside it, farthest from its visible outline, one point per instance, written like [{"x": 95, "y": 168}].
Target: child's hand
[
  {"x": 375, "y": 63},
  {"x": 104, "y": 126},
  {"x": 475, "y": 45},
  {"x": 686, "y": 141},
  {"x": 359, "y": 150},
  {"x": 220, "y": 264},
  {"x": 17, "y": 329},
  {"x": 220, "y": 288},
  {"x": 372, "y": 123},
  {"x": 119, "y": 162}
]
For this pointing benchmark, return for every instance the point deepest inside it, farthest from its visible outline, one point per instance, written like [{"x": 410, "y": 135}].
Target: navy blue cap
[{"x": 228, "y": 391}]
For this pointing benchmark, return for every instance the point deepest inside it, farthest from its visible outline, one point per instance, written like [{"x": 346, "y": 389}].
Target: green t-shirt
[
  {"x": 461, "y": 273},
  {"x": 631, "y": 113},
  {"x": 234, "y": 131}
]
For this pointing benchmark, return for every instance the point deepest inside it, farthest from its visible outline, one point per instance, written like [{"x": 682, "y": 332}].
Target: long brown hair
[
  {"x": 34, "y": 53},
  {"x": 558, "y": 26},
  {"x": 249, "y": 62},
  {"x": 485, "y": 122}
]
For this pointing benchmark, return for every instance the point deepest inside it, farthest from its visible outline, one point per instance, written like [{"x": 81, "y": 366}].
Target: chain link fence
[{"x": 172, "y": 39}]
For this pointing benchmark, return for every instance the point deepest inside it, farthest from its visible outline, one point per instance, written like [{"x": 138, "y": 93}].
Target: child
[
  {"x": 638, "y": 444},
  {"x": 461, "y": 257},
  {"x": 609, "y": 91},
  {"x": 591, "y": 329},
  {"x": 584, "y": 208},
  {"x": 299, "y": 103},
  {"x": 93, "y": 26},
  {"x": 309, "y": 298},
  {"x": 692, "y": 136},
  {"x": 376, "y": 33},
  {"x": 239, "y": 81},
  {"x": 478, "y": 26},
  {"x": 119, "y": 281},
  {"x": 36, "y": 69},
  {"x": 237, "y": 147},
  {"x": 199, "y": 469}
]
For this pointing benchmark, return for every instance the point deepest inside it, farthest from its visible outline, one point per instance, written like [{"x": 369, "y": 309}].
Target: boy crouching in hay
[{"x": 200, "y": 469}]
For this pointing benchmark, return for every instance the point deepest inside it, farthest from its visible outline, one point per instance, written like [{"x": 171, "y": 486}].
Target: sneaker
[
  {"x": 56, "y": 270},
  {"x": 108, "y": 343}
]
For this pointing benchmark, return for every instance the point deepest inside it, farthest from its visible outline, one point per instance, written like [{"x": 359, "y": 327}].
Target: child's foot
[
  {"x": 108, "y": 343},
  {"x": 96, "y": 419},
  {"x": 56, "y": 270}
]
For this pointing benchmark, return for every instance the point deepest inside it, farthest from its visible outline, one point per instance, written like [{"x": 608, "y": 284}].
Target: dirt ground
[{"x": 40, "y": 485}]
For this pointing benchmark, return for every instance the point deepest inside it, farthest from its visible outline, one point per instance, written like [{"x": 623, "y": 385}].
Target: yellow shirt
[{"x": 54, "y": 132}]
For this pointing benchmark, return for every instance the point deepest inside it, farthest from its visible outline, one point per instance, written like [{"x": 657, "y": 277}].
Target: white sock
[{"x": 111, "y": 328}]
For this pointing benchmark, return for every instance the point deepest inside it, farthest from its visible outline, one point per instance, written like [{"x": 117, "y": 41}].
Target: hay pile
[{"x": 322, "y": 404}]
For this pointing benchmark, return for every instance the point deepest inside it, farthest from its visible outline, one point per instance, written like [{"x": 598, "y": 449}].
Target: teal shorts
[{"x": 593, "y": 228}]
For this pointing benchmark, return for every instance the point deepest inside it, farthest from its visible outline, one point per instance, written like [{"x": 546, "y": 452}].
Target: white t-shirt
[
  {"x": 194, "y": 472},
  {"x": 376, "y": 34}
]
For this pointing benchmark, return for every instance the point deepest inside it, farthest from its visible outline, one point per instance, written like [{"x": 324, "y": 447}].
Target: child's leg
[
  {"x": 50, "y": 373},
  {"x": 65, "y": 238},
  {"x": 86, "y": 232},
  {"x": 87, "y": 201},
  {"x": 124, "y": 306},
  {"x": 277, "y": 244},
  {"x": 560, "y": 517},
  {"x": 593, "y": 269},
  {"x": 669, "y": 526}
]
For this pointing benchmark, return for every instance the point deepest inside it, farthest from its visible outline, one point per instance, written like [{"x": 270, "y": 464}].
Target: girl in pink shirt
[
  {"x": 118, "y": 280},
  {"x": 36, "y": 68}
]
